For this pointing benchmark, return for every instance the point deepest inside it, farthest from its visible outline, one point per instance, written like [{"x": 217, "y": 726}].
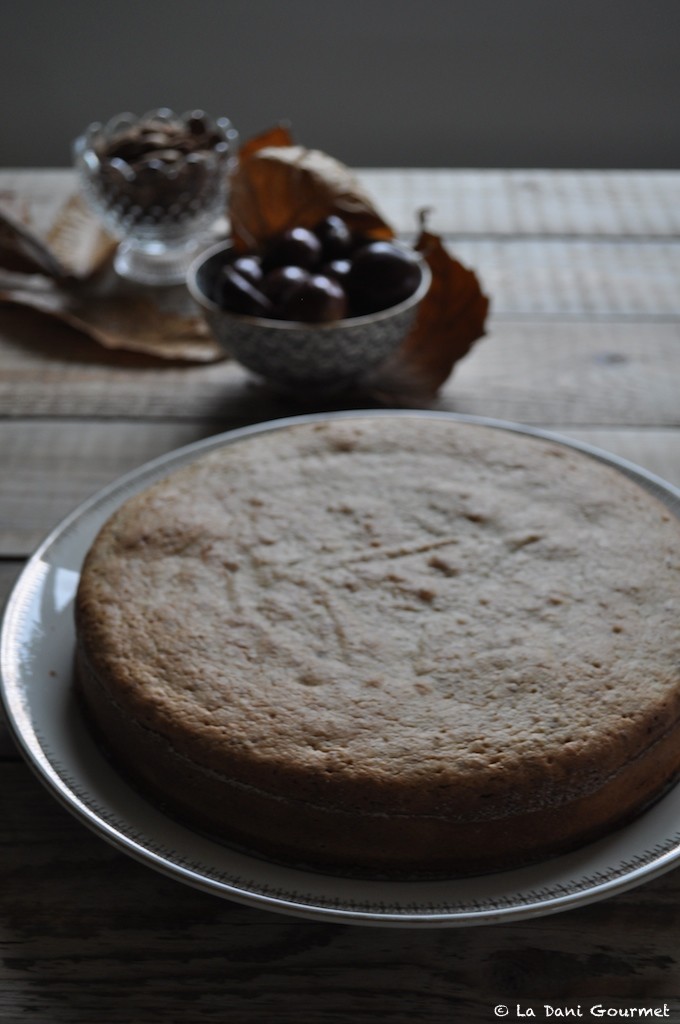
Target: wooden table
[{"x": 584, "y": 274}]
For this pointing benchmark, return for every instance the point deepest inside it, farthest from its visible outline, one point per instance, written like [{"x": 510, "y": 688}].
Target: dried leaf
[
  {"x": 79, "y": 241},
  {"x": 68, "y": 275},
  {"x": 75, "y": 247},
  {"x": 279, "y": 135},
  {"x": 278, "y": 185},
  {"x": 450, "y": 319},
  {"x": 137, "y": 324},
  {"x": 21, "y": 251}
]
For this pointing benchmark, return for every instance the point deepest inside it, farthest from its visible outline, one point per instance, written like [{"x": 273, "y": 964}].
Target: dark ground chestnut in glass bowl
[
  {"x": 158, "y": 182},
  {"x": 315, "y": 308}
]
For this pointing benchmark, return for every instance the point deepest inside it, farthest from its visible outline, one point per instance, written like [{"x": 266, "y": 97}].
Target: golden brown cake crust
[{"x": 389, "y": 642}]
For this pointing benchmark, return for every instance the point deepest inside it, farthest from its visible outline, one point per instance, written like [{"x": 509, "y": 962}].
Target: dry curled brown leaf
[
  {"x": 142, "y": 322},
  {"x": 450, "y": 319},
  {"x": 65, "y": 273},
  {"x": 75, "y": 248},
  {"x": 278, "y": 185},
  {"x": 79, "y": 241}
]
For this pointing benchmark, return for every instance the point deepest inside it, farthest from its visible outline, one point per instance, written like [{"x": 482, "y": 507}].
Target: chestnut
[
  {"x": 277, "y": 282},
  {"x": 297, "y": 246},
  {"x": 319, "y": 299},
  {"x": 382, "y": 274},
  {"x": 335, "y": 237},
  {"x": 233, "y": 291}
]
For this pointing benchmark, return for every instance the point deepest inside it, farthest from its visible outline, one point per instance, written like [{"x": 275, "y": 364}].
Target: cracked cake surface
[{"x": 389, "y": 643}]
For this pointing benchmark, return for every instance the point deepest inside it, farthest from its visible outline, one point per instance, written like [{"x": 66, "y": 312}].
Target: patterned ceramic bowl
[{"x": 303, "y": 355}]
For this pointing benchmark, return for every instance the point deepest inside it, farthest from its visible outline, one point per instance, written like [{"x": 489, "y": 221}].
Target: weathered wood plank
[
  {"x": 567, "y": 277},
  {"x": 576, "y": 277},
  {"x": 571, "y": 374},
  {"x": 466, "y": 201},
  {"x": 50, "y": 471},
  {"x": 89, "y": 934},
  {"x": 530, "y": 202},
  {"x": 47, "y": 472},
  {"x": 657, "y": 451},
  {"x": 539, "y": 370},
  {"x": 8, "y": 749},
  {"x": 47, "y": 368},
  {"x": 9, "y": 571}
]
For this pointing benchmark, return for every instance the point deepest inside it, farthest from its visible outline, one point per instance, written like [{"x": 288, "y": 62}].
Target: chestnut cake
[{"x": 389, "y": 645}]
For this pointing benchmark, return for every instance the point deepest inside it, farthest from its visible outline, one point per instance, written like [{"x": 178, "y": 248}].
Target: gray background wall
[{"x": 508, "y": 83}]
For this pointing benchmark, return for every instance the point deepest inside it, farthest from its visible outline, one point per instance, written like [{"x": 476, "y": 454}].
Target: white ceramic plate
[{"x": 37, "y": 648}]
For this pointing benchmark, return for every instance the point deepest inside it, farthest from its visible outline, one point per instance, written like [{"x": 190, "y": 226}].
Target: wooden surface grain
[{"x": 583, "y": 269}]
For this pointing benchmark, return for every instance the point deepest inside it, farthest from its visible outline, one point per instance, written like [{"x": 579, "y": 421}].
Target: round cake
[{"x": 391, "y": 645}]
